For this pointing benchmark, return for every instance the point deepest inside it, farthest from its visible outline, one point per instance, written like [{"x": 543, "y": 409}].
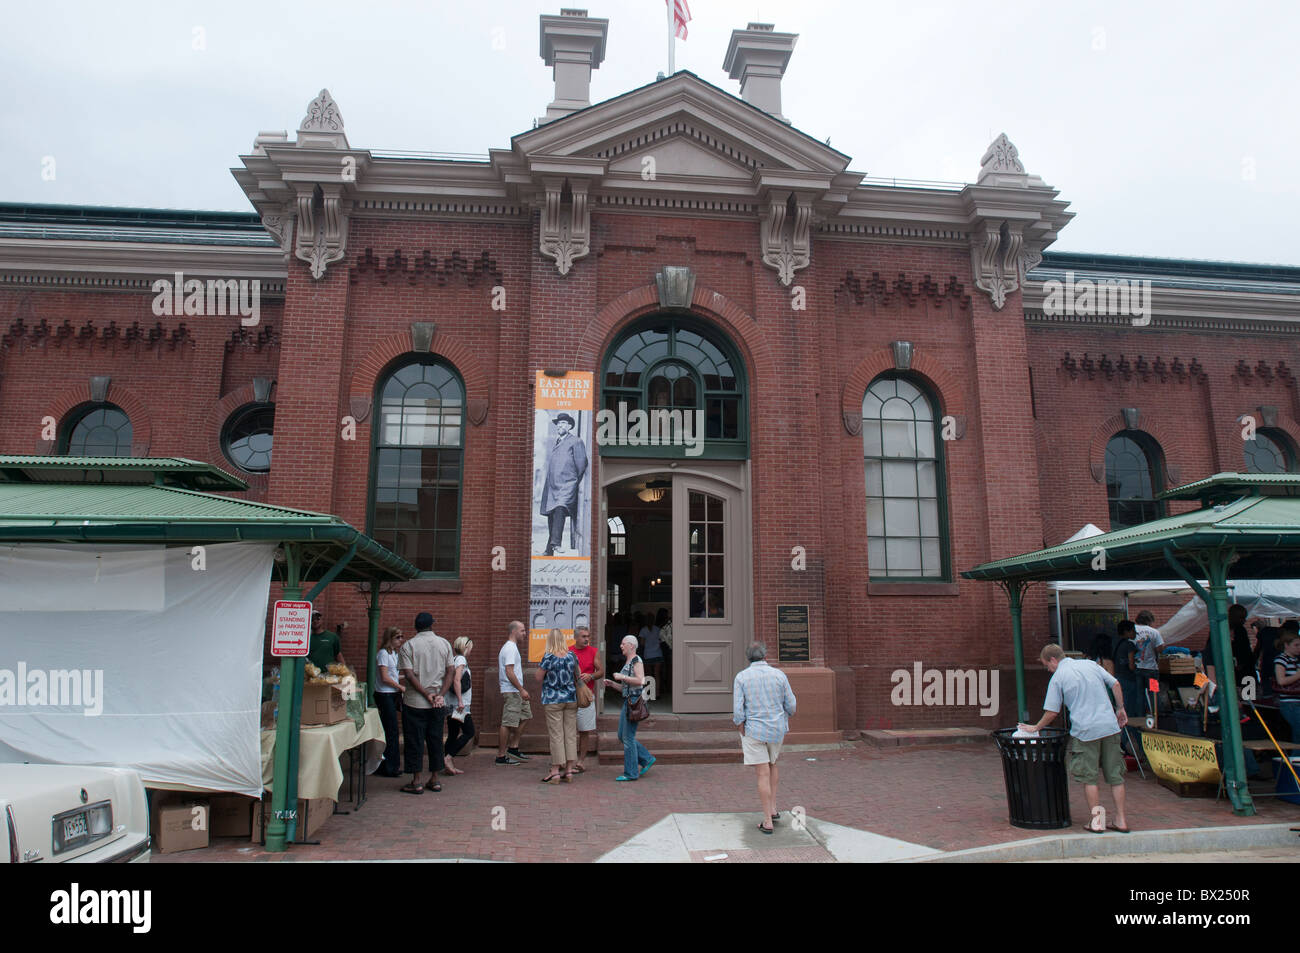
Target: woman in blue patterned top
[{"x": 560, "y": 703}]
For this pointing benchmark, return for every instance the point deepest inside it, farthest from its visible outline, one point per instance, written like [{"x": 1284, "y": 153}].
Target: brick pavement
[{"x": 948, "y": 799}]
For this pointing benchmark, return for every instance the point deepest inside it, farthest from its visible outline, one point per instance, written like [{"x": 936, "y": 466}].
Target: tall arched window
[
  {"x": 98, "y": 430},
  {"x": 676, "y": 364},
  {"x": 1133, "y": 465},
  {"x": 415, "y": 471},
  {"x": 1270, "y": 452},
  {"x": 906, "y": 510}
]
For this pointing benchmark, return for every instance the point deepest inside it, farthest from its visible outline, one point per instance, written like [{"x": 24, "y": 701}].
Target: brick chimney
[
  {"x": 757, "y": 57},
  {"x": 573, "y": 44}
]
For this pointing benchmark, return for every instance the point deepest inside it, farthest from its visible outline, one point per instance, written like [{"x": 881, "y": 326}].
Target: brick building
[{"x": 889, "y": 392}]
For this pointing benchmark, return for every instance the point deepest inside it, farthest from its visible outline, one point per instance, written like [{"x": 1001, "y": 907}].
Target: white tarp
[
  {"x": 131, "y": 656},
  {"x": 1267, "y": 598}
]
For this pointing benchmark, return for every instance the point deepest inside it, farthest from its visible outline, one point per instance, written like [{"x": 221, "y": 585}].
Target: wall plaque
[{"x": 792, "y": 633}]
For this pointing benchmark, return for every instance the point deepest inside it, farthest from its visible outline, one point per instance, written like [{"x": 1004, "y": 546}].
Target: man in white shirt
[
  {"x": 515, "y": 710},
  {"x": 1083, "y": 686}
]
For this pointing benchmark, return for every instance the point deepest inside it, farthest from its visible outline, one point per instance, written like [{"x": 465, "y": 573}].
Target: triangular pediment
[{"x": 689, "y": 120}]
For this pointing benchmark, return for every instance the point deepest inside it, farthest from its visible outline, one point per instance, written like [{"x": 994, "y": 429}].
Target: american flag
[{"x": 681, "y": 13}]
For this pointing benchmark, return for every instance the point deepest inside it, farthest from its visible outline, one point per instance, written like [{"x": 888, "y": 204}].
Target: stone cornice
[
  {"x": 1184, "y": 309},
  {"x": 132, "y": 265}
]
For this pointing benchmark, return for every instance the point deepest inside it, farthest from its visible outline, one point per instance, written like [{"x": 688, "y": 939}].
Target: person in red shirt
[{"x": 592, "y": 671}]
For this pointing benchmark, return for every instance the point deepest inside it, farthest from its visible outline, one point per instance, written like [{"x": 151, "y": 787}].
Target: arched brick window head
[
  {"x": 97, "y": 430},
  {"x": 1134, "y": 463},
  {"x": 1271, "y": 451},
  {"x": 417, "y": 457},
  {"x": 906, "y": 524}
]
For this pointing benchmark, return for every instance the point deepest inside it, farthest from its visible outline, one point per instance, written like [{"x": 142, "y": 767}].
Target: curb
[{"x": 1176, "y": 840}]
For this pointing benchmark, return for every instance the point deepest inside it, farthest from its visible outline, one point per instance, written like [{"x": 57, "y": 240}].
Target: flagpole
[{"x": 672, "y": 44}]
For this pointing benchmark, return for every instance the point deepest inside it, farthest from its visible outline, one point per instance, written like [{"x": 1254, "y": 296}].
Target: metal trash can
[{"x": 1038, "y": 791}]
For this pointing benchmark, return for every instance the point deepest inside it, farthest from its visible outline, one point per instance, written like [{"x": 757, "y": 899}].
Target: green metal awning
[
  {"x": 165, "y": 471},
  {"x": 124, "y": 513},
  {"x": 1264, "y": 531}
]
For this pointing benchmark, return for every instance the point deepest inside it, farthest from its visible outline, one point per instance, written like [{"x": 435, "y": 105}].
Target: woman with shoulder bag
[
  {"x": 560, "y": 703},
  {"x": 631, "y": 680}
]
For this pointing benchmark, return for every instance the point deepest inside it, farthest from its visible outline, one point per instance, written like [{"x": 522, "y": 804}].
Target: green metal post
[
  {"x": 287, "y": 723},
  {"x": 1234, "y": 762},
  {"x": 296, "y": 738},
  {"x": 372, "y": 613},
  {"x": 1015, "y": 595},
  {"x": 1216, "y": 604}
]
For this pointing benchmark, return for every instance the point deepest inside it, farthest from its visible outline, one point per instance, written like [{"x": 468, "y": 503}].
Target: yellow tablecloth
[{"x": 319, "y": 747}]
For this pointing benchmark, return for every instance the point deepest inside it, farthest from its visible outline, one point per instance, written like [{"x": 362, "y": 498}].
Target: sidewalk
[{"x": 933, "y": 800}]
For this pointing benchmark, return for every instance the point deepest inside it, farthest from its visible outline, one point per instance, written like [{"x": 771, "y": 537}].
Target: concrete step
[
  {"x": 906, "y": 737},
  {"x": 687, "y": 756},
  {"x": 670, "y": 721},
  {"x": 658, "y": 741}
]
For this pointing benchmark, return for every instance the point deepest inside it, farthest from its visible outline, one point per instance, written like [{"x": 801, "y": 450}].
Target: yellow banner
[{"x": 1180, "y": 757}]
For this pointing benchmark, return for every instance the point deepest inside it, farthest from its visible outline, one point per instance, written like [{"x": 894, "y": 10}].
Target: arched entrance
[{"x": 676, "y": 513}]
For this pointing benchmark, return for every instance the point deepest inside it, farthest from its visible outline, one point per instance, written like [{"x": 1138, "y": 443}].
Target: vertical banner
[{"x": 560, "y": 594}]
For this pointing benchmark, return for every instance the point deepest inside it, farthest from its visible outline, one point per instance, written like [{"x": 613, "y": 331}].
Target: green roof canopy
[
  {"x": 137, "y": 510},
  {"x": 1261, "y": 527},
  {"x": 164, "y": 471}
]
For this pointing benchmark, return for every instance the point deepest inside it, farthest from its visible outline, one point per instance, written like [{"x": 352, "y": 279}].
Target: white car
[{"x": 59, "y": 812}]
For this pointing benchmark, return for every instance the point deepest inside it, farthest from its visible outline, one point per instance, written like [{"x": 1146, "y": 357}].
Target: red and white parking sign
[{"x": 291, "y": 630}]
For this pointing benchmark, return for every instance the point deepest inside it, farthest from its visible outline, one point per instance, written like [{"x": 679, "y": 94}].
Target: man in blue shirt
[
  {"x": 1083, "y": 686},
  {"x": 761, "y": 707}
]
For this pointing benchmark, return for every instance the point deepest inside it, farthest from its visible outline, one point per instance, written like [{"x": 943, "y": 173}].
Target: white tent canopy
[{"x": 1269, "y": 598}]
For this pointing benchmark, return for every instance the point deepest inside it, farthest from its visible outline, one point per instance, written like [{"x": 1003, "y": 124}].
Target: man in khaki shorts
[
  {"x": 1086, "y": 689},
  {"x": 761, "y": 709},
  {"x": 515, "y": 710}
]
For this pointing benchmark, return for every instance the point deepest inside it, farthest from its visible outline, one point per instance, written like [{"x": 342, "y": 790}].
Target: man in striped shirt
[{"x": 761, "y": 707}]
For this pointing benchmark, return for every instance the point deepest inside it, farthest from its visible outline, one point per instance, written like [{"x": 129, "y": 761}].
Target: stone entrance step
[{"x": 904, "y": 737}]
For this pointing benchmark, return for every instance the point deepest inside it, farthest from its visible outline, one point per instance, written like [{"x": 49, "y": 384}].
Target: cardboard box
[
  {"x": 1177, "y": 665},
  {"x": 230, "y": 815},
  {"x": 178, "y": 824},
  {"x": 323, "y": 705},
  {"x": 312, "y": 815}
]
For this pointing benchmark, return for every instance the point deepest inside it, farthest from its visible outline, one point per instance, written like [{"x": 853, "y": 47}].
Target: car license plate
[{"x": 74, "y": 827}]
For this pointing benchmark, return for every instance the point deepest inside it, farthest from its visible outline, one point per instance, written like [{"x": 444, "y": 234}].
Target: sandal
[
  {"x": 579, "y": 769},
  {"x": 1092, "y": 830},
  {"x": 567, "y": 777},
  {"x": 1119, "y": 830},
  {"x": 551, "y": 779},
  {"x": 766, "y": 830},
  {"x": 452, "y": 772},
  {"x": 412, "y": 789},
  {"x": 435, "y": 787}
]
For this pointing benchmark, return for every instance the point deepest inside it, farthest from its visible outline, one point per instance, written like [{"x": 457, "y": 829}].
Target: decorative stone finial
[
  {"x": 1001, "y": 156},
  {"x": 323, "y": 115},
  {"x": 322, "y": 127}
]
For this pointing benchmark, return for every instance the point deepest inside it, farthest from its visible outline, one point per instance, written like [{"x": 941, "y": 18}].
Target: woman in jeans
[
  {"x": 632, "y": 681},
  {"x": 388, "y": 696},
  {"x": 1286, "y": 679},
  {"x": 460, "y": 726},
  {"x": 560, "y": 703}
]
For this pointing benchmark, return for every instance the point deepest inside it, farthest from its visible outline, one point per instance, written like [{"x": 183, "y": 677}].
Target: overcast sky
[{"x": 1171, "y": 128}]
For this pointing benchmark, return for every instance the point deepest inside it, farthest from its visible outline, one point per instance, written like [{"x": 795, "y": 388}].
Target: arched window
[
  {"x": 415, "y": 472},
  {"x": 1270, "y": 452},
  {"x": 906, "y": 511},
  {"x": 98, "y": 430},
  {"x": 1133, "y": 464},
  {"x": 246, "y": 438},
  {"x": 674, "y": 365}
]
